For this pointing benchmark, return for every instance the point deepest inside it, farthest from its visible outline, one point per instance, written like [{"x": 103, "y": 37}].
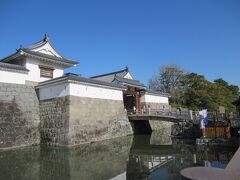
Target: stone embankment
[
  {"x": 72, "y": 120},
  {"x": 19, "y": 116},
  {"x": 186, "y": 129}
]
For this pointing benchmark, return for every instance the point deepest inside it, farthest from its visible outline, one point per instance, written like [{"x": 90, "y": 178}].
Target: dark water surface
[{"x": 133, "y": 157}]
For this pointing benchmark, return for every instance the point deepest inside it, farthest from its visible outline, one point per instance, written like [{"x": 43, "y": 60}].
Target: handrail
[
  {"x": 213, "y": 117},
  {"x": 161, "y": 112}
]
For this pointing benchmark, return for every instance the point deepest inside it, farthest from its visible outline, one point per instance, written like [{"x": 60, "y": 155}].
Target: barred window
[{"x": 46, "y": 72}]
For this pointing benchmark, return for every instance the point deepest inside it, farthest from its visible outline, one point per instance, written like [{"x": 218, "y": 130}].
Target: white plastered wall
[
  {"x": 147, "y": 98},
  {"x": 12, "y": 77},
  {"x": 34, "y": 71},
  {"x": 95, "y": 92},
  {"x": 80, "y": 90}
]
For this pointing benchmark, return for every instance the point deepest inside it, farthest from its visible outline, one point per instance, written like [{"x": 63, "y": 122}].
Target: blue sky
[{"x": 202, "y": 36}]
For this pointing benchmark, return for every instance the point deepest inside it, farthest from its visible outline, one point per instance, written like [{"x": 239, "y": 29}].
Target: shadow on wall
[{"x": 17, "y": 127}]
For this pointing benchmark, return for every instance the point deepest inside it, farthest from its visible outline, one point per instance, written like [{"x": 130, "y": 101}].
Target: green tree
[
  {"x": 198, "y": 92},
  {"x": 167, "y": 80},
  {"x": 229, "y": 94},
  {"x": 194, "y": 91}
]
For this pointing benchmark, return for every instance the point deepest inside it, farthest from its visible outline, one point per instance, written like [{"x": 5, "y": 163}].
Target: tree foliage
[
  {"x": 166, "y": 79},
  {"x": 194, "y": 91}
]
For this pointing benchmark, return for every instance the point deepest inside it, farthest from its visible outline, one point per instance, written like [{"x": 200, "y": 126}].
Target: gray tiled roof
[
  {"x": 129, "y": 82},
  {"x": 40, "y": 43},
  {"x": 53, "y": 59},
  {"x": 49, "y": 56},
  {"x": 13, "y": 67},
  {"x": 80, "y": 79},
  {"x": 45, "y": 57},
  {"x": 120, "y": 73},
  {"x": 107, "y": 78},
  {"x": 150, "y": 91},
  {"x": 118, "y": 78}
]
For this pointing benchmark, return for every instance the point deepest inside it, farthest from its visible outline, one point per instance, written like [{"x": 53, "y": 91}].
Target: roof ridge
[
  {"x": 127, "y": 79},
  {"x": 111, "y": 73},
  {"x": 41, "y": 42},
  {"x": 82, "y": 79},
  {"x": 46, "y": 55},
  {"x": 22, "y": 51},
  {"x": 37, "y": 44}
]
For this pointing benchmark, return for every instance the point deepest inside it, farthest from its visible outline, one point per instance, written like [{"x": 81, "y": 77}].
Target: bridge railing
[
  {"x": 235, "y": 119},
  {"x": 174, "y": 113},
  {"x": 213, "y": 118},
  {"x": 220, "y": 119}
]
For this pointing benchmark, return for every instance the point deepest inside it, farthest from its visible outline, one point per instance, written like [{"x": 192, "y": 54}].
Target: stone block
[
  {"x": 21, "y": 127},
  {"x": 82, "y": 120}
]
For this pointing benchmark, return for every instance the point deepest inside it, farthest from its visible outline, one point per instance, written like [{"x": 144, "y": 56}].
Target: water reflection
[
  {"x": 138, "y": 157},
  {"x": 152, "y": 161}
]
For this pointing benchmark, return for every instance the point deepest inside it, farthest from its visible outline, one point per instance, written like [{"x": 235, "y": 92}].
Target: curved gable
[{"x": 46, "y": 49}]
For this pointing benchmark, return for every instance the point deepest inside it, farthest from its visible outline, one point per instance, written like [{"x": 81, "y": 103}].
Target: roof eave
[
  {"x": 107, "y": 74},
  {"x": 11, "y": 56},
  {"x": 14, "y": 69},
  {"x": 141, "y": 86},
  {"x": 19, "y": 53},
  {"x": 133, "y": 85},
  {"x": 73, "y": 79},
  {"x": 61, "y": 62}
]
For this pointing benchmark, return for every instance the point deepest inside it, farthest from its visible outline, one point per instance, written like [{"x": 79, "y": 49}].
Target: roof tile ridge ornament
[
  {"x": 46, "y": 37},
  {"x": 20, "y": 49},
  {"x": 126, "y": 68}
]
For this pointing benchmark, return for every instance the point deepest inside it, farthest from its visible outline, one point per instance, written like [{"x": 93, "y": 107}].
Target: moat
[{"x": 131, "y": 157}]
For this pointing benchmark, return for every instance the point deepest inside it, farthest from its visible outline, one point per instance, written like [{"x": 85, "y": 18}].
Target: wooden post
[
  {"x": 215, "y": 128},
  {"x": 190, "y": 114},
  {"x": 137, "y": 101},
  {"x": 226, "y": 128}
]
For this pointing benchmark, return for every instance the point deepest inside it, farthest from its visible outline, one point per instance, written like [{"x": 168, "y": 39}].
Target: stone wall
[
  {"x": 163, "y": 128},
  {"x": 54, "y": 115},
  {"x": 19, "y": 116},
  {"x": 183, "y": 128},
  {"x": 73, "y": 120},
  {"x": 97, "y": 119},
  {"x": 186, "y": 129}
]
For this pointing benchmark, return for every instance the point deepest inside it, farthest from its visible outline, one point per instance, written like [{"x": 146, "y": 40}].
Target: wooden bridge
[
  {"x": 173, "y": 115},
  {"x": 219, "y": 124}
]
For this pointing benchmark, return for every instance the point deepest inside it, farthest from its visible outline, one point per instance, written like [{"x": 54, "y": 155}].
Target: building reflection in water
[
  {"x": 138, "y": 157},
  {"x": 150, "y": 161}
]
